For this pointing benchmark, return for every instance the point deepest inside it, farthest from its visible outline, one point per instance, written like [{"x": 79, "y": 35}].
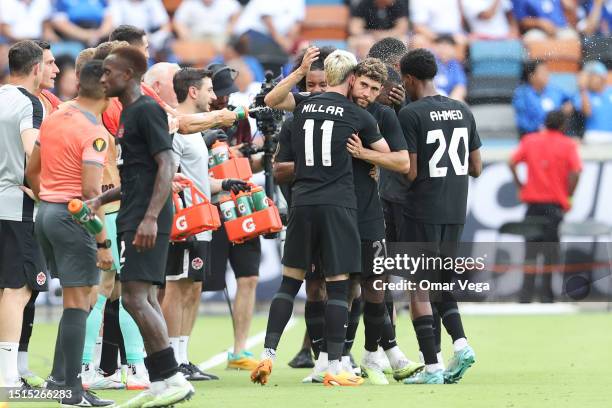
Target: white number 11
[{"x": 327, "y": 128}]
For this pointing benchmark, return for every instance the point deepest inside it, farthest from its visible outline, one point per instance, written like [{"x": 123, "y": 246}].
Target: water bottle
[{"x": 83, "y": 215}]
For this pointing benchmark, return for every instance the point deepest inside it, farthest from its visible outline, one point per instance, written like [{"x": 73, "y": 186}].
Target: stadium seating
[
  {"x": 560, "y": 55},
  {"x": 490, "y": 89},
  {"x": 598, "y": 48},
  {"x": 502, "y": 58},
  {"x": 495, "y": 121},
  {"x": 194, "y": 52},
  {"x": 328, "y": 22}
]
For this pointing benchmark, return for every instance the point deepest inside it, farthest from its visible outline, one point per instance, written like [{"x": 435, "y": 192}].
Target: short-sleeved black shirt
[
  {"x": 380, "y": 18},
  {"x": 442, "y": 132},
  {"x": 143, "y": 133},
  {"x": 369, "y": 208},
  {"x": 322, "y": 124}
]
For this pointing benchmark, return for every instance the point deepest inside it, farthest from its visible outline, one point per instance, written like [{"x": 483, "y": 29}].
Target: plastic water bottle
[{"x": 83, "y": 215}]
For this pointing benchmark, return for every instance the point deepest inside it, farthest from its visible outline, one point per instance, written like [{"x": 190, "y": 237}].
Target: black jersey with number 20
[
  {"x": 322, "y": 125},
  {"x": 442, "y": 132}
]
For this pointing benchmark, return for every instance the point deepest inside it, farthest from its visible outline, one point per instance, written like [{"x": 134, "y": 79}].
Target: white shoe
[
  {"x": 137, "y": 377},
  {"x": 177, "y": 389},
  {"x": 318, "y": 372},
  {"x": 440, "y": 360},
  {"x": 383, "y": 362},
  {"x": 94, "y": 379}
]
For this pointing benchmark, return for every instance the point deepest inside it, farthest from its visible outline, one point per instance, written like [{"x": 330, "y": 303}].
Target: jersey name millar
[
  {"x": 442, "y": 132},
  {"x": 322, "y": 125}
]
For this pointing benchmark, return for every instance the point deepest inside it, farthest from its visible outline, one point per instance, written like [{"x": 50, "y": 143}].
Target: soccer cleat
[
  {"x": 407, "y": 369},
  {"x": 137, "y": 377},
  {"x": 383, "y": 361},
  {"x": 303, "y": 359},
  {"x": 178, "y": 389},
  {"x": 459, "y": 364},
  {"x": 139, "y": 400},
  {"x": 94, "y": 379},
  {"x": 196, "y": 369},
  {"x": 85, "y": 399},
  {"x": 53, "y": 384},
  {"x": 241, "y": 361},
  {"x": 344, "y": 379},
  {"x": 426, "y": 377},
  {"x": 373, "y": 372},
  {"x": 193, "y": 375},
  {"x": 318, "y": 372},
  {"x": 262, "y": 372},
  {"x": 33, "y": 380}
]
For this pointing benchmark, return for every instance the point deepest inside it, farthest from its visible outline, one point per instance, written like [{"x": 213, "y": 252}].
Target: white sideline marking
[{"x": 252, "y": 341}]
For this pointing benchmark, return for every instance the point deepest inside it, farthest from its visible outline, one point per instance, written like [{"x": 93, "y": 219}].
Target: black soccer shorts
[
  {"x": 327, "y": 231},
  {"x": 188, "y": 260},
  {"x": 21, "y": 260},
  {"x": 146, "y": 266}
]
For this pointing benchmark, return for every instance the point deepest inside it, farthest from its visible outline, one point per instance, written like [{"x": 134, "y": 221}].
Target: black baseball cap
[{"x": 223, "y": 79}]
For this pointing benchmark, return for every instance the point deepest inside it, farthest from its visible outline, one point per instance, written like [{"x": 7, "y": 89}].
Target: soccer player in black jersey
[
  {"x": 323, "y": 218},
  {"x": 444, "y": 151},
  {"x": 146, "y": 169}
]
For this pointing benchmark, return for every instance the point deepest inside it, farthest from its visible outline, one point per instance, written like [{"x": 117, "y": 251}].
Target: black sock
[
  {"x": 111, "y": 337},
  {"x": 161, "y": 365},
  {"x": 58, "y": 371},
  {"x": 449, "y": 312},
  {"x": 28, "y": 322},
  {"x": 387, "y": 338},
  {"x": 437, "y": 327},
  {"x": 336, "y": 318},
  {"x": 353, "y": 324},
  {"x": 423, "y": 327},
  {"x": 373, "y": 321},
  {"x": 73, "y": 340},
  {"x": 314, "y": 314},
  {"x": 280, "y": 310},
  {"x": 390, "y": 307},
  {"x": 122, "y": 353}
]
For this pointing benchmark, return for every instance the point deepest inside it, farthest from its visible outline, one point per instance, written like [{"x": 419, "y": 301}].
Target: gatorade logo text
[
  {"x": 248, "y": 225},
  {"x": 242, "y": 208},
  {"x": 181, "y": 223}
]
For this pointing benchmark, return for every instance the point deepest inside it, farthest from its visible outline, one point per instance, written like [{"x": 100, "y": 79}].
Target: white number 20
[
  {"x": 327, "y": 127},
  {"x": 460, "y": 166}
]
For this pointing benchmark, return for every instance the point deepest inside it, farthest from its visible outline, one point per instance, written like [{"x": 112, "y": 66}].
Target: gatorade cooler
[
  {"x": 257, "y": 223},
  {"x": 201, "y": 216},
  {"x": 235, "y": 167}
]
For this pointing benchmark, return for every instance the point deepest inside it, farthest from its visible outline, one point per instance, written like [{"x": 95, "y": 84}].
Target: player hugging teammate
[{"x": 327, "y": 187}]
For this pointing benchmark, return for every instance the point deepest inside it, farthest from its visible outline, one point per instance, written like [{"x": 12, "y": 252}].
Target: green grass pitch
[{"x": 522, "y": 361}]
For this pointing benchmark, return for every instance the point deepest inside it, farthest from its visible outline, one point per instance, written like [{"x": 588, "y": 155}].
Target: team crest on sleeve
[
  {"x": 41, "y": 278},
  {"x": 197, "y": 263},
  {"x": 99, "y": 144}
]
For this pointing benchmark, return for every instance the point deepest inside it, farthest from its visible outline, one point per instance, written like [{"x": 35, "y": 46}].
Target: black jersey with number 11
[
  {"x": 442, "y": 132},
  {"x": 322, "y": 125}
]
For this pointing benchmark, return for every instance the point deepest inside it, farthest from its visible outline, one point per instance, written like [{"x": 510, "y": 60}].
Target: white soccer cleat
[
  {"x": 318, "y": 372},
  {"x": 94, "y": 379},
  {"x": 137, "y": 377},
  {"x": 383, "y": 362}
]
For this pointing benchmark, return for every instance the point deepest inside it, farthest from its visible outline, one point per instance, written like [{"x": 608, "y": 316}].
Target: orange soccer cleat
[
  {"x": 344, "y": 379},
  {"x": 262, "y": 372}
]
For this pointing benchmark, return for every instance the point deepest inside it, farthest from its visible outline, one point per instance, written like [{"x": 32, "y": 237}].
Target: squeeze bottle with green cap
[{"x": 83, "y": 215}]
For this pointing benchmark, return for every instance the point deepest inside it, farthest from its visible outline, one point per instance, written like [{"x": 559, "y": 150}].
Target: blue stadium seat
[
  {"x": 491, "y": 89},
  {"x": 566, "y": 81},
  {"x": 499, "y": 58},
  {"x": 71, "y": 48},
  {"x": 339, "y": 44}
]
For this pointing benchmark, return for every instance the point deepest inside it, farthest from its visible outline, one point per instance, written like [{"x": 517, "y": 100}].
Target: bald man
[{"x": 159, "y": 78}]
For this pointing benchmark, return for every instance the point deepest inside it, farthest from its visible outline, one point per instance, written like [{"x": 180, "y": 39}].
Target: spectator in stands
[
  {"x": 490, "y": 19},
  {"x": 595, "y": 102},
  {"x": 372, "y": 20},
  {"x": 451, "y": 78},
  {"x": 148, "y": 15},
  {"x": 544, "y": 19},
  {"x": 271, "y": 21},
  {"x": 87, "y": 21},
  {"x": 595, "y": 17},
  {"x": 25, "y": 19},
  {"x": 431, "y": 18},
  {"x": 66, "y": 80},
  {"x": 535, "y": 97},
  {"x": 211, "y": 20}
]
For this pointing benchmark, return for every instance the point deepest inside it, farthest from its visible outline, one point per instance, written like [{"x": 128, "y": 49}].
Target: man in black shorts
[
  {"x": 444, "y": 151},
  {"x": 146, "y": 169},
  {"x": 21, "y": 267},
  {"x": 323, "y": 218}
]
